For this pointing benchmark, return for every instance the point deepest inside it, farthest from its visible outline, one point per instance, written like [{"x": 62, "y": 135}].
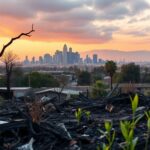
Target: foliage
[
  {"x": 130, "y": 73},
  {"x": 145, "y": 75},
  {"x": 88, "y": 114},
  {"x": 98, "y": 73},
  {"x": 109, "y": 134},
  {"x": 78, "y": 115},
  {"x": 84, "y": 78},
  {"x": 134, "y": 103},
  {"x": 2, "y": 81},
  {"x": 98, "y": 89},
  {"x": 110, "y": 67},
  {"x": 148, "y": 129},
  {"x": 128, "y": 127},
  {"x": 37, "y": 80},
  {"x": 17, "y": 77}
]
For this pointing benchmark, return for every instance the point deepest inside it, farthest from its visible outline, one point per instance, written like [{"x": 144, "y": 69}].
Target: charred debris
[{"x": 74, "y": 124}]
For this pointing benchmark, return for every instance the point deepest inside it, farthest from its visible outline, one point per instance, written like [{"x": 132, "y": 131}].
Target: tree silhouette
[
  {"x": 15, "y": 38},
  {"x": 9, "y": 59},
  {"x": 111, "y": 68}
]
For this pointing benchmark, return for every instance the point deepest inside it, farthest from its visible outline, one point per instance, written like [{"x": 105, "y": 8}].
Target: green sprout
[
  {"x": 148, "y": 129},
  {"x": 134, "y": 104},
  {"x": 127, "y": 127},
  {"x": 78, "y": 115},
  {"x": 109, "y": 134},
  {"x": 88, "y": 114}
]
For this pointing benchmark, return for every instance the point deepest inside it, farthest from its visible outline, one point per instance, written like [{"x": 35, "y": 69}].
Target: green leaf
[
  {"x": 134, "y": 142},
  {"x": 134, "y": 103},
  {"x": 105, "y": 147},
  {"x": 113, "y": 136},
  {"x": 138, "y": 119},
  {"x": 108, "y": 126},
  {"x": 101, "y": 131},
  {"x": 131, "y": 135},
  {"x": 124, "y": 130}
]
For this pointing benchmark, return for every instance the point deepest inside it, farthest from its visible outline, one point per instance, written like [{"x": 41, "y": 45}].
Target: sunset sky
[{"x": 82, "y": 24}]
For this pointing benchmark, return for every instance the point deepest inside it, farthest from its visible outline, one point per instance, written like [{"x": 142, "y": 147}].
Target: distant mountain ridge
[{"x": 118, "y": 55}]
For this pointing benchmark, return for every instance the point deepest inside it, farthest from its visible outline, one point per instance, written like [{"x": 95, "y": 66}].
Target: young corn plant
[
  {"x": 109, "y": 134},
  {"x": 148, "y": 129},
  {"x": 134, "y": 104},
  {"x": 127, "y": 127},
  {"x": 78, "y": 115}
]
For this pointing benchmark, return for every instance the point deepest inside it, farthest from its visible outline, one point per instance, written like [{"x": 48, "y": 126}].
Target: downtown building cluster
[{"x": 64, "y": 57}]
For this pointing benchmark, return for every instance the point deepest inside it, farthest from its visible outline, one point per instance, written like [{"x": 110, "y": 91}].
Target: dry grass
[
  {"x": 36, "y": 111},
  {"x": 129, "y": 88}
]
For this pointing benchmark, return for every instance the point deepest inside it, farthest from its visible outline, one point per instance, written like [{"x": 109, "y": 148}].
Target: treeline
[
  {"x": 33, "y": 79},
  {"x": 127, "y": 73}
]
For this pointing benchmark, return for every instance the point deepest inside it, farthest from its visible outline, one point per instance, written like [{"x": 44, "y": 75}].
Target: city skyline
[
  {"x": 65, "y": 56},
  {"x": 86, "y": 25}
]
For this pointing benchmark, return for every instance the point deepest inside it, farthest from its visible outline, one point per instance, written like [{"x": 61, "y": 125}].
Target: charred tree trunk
[{"x": 9, "y": 68}]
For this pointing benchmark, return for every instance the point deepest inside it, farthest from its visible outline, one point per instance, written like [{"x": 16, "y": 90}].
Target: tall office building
[
  {"x": 26, "y": 61},
  {"x": 88, "y": 60},
  {"x": 58, "y": 58},
  {"x": 47, "y": 59},
  {"x": 95, "y": 59},
  {"x": 40, "y": 60},
  {"x": 33, "y": 60},
  {"x": 65, "y": 54}
]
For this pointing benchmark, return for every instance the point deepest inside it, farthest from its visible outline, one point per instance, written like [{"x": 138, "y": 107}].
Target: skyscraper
[
  {"x": 40, "y": 60},
  {"x": 58, "y": 57},
  {"x": 47, "y": 59},
  {"x": 33, "y": 60},
  {"x": 95, "y": 59},
  {"x": 65, "y": 55},
  {"x": 26, "y": 61}
]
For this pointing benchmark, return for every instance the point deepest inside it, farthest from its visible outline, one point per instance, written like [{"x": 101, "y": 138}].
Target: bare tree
[
  {"x": 9, "y": 59},
  {"x": 15, "y": 38}
]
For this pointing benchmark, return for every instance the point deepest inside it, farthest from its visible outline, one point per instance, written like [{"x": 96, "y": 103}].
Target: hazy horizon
[
  {"x": 109, "y": 54},
  {"x": 83, "y": 25}
]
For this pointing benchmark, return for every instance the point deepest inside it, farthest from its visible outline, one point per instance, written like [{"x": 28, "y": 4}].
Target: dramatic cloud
[{"x": 73, "y": 20}]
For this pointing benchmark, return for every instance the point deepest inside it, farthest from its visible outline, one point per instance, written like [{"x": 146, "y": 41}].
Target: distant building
[
  {"x": 73, "y": 57},
  {"x": 26, "y": 61},
  {"x": 40, "y": 60},
  {"x": 64, "y": 57},
  {"x": 33, "y": 60},
  {"x": 88, "y": 60},
  {"x": 58, "y": 58},
  {"x": 65, "y": 62},
  {"x": 47, "y": 59},
  {"x": 95, "y": 59}
]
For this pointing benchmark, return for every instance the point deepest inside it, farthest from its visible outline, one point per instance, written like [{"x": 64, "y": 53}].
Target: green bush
[{"x": 98, "y": 89}]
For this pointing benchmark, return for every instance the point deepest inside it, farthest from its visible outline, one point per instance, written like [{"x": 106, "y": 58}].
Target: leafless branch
[{"x": 15, "y": 38}]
